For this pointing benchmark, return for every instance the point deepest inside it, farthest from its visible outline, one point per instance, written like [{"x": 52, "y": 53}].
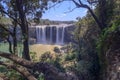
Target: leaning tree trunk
[{"x": 50, "y": 72}]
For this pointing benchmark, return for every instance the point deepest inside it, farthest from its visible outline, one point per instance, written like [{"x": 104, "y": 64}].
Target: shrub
[{"x": 57, "y": 50}]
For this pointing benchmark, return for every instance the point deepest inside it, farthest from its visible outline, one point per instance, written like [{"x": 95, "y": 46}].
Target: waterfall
[
  {"x": 52, "y": 34},
  {"x": 57, "y": 35},
  {"x": 44, "y": 34},
  {"x": 63, "y": 32},
  {"x": 38, "y": 34}
]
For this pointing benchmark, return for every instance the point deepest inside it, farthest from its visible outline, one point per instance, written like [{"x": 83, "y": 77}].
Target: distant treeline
[
  {"x": 8, "y": 21},
  {"x": 48, "y": 22}
]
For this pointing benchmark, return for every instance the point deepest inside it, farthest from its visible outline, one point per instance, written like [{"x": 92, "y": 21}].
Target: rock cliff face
[{"x": 113, "y": 56}]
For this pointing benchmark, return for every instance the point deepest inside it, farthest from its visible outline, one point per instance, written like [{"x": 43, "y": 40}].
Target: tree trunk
[
  {"x": 50, "y": 72},
  {"x": 24, "y": 28},
  {"x": 26, "y": 49},
  {"x": 102, "y": 16},
  {"x": 101, "y": 26},
  {"x": 10, "y": 45},
  {"x": 14, "y": 40}
]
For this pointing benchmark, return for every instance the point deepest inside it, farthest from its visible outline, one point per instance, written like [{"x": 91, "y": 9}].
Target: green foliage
[
  {"x": 11, "y": 74},
  {"x": 56, "y": 61},
  {"x": 14, "y": 75},
  {"x": 2, "y": 69},
  {"x": 104, "y": 35},
  {"x": 4, "y": 20},
  {"x": 46, "y": 57},
  {"x": 83, "y": 66},
  {"x": 70, "y": 56},
  {"x": 33, "y": 56},
  {"x": 41, "y": 77},
  {"x": 57, "y": 50},
  {"x": 104, "y": 43},
  {"x": 58, "y": 65},
  {"x": 4, "y": 34}
]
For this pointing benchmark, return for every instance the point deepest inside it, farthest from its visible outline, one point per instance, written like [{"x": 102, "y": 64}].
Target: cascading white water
[
  {"x": 57, "y": 35},
  {"x": 38, "y": 34},
  {"x": 63, "y": 32},
  {"x": 52, "y": 34},
  {"x": 44, "y": 34}
]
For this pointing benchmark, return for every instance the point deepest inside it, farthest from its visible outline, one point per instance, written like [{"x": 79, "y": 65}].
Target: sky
[{"x": 62, "y": 12}]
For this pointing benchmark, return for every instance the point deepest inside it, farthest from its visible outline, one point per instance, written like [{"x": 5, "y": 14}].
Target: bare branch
[
  {"x": 76, "y": 3},
  {"x": 71, "y": 10},
  {"x": 53, "y": 6},
  {"x": 92, "y": 2},
  {"x": 80, "y": 2}
]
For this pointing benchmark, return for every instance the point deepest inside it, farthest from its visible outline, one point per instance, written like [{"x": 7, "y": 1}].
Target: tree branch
[
  {"x": 80, "y": 4},
  {"x": 9, "y": 16},
  {"x": 77, "y": 4},
  {"x": 21, "y": 70},
  {"x": 17, "y": 60},
  {"x": 48, "y": 70},
  {"x": 3, "y": 27},
  {"x": 71, "y": 10}
]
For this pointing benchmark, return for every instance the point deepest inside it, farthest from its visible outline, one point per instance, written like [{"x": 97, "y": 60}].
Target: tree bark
[
  {"x": 21, "y": 70},
  {"x": 102, "y": 16},
  {"x": 24, "y": 28},
  {"x": 10, "y": 45},
  {"x": 14, "y": 36},
  {"x": 50, "y": 72}
]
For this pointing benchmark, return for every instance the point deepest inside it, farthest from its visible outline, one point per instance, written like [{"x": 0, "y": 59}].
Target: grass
[
  {"x": 42, "y": 48},
  {"x": 37, "y": 48},
  {"x": 4, "y": 47}
]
